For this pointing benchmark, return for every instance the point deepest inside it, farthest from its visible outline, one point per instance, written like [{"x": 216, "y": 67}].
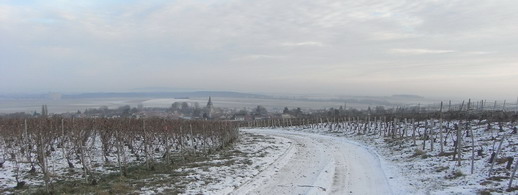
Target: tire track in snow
[{"x": 317, "y": 164}]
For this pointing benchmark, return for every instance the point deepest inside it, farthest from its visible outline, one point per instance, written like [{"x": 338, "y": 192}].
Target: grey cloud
[{"x": 361, "y": 47}]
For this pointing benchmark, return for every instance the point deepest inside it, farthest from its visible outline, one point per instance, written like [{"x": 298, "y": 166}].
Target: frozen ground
[
  {"x": 322, "y": 161},
  {"x": 320, "y": 164},
  {"x": 428, "y": 171},
  {"x": 266, "y": 161},
  {"x": 217, "y": 173},
  {"x": 223, "y": 173}
]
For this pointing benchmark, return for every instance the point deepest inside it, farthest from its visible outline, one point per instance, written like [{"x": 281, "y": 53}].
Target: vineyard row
[{"x": 42, "y": 150}]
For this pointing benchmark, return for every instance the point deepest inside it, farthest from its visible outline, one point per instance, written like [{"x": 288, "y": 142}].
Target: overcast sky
[{"x": 360, "y": 47}]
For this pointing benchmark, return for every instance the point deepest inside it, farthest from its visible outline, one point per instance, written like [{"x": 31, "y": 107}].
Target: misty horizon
[{"x": 160, "y": 90}]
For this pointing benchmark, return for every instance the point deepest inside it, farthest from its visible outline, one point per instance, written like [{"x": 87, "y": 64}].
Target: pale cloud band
[
  {"x": 304, "y": 44},
  {"x": 419, "y": 51}
]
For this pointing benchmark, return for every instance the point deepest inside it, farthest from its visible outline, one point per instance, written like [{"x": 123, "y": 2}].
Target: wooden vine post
[{"x": 440, "y": 130}]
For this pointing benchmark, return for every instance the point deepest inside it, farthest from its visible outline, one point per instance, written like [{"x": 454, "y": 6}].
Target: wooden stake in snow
[
  {"x": 413, "y": 132},
  {"x": 431, "y": 136},
  {"x": 512, "y": 175},
  {"x": 496, "y": 155},
  {"x": 459, "y": 142},
  {"x": 440, "y": 130},
  {"x": 472, "y": 149},
  {"x": 468, "y": 126}
]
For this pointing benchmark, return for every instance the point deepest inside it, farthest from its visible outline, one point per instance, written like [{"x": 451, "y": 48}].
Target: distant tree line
[{"x": 187, "y": 109}]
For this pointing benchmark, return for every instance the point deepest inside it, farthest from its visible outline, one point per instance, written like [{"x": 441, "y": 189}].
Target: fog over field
[{"x": 274, "y": 104}]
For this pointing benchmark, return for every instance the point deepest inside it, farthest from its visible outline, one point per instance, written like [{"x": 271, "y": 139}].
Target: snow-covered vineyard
[
  {"x": 44, "y": 151},
  {"x": 436, "y": 155},
  {"x": 453, "y": 152}
]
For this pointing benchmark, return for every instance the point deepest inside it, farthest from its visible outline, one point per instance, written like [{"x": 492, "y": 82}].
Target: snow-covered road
[{"x": 319, "y": 164}]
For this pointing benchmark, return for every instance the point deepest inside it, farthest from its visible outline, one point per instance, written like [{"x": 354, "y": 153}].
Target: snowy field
[
  {"x": 321, "y": 164},
  {"x": 250, "y": 156},
  {"x": 299, "y": 160},
  {"x": 273, "y": 161},
  {"x": 217, "y": 173},
  {"x": 266, "y": 162},
  {"x": 324, "y": 161},
  {"x": 427, "y": 171}
]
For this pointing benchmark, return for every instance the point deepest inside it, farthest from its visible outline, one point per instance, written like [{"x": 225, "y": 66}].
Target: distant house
[
  {"x": 257, "y": 117},
  {"x": 287, "y": 116},
  {"x": 240, "y": 117}
]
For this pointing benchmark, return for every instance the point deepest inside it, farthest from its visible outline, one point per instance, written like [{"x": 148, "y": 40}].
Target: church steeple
[
  {"x": 209, "y": 104},
  {"x": 210, "y": 108}
]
